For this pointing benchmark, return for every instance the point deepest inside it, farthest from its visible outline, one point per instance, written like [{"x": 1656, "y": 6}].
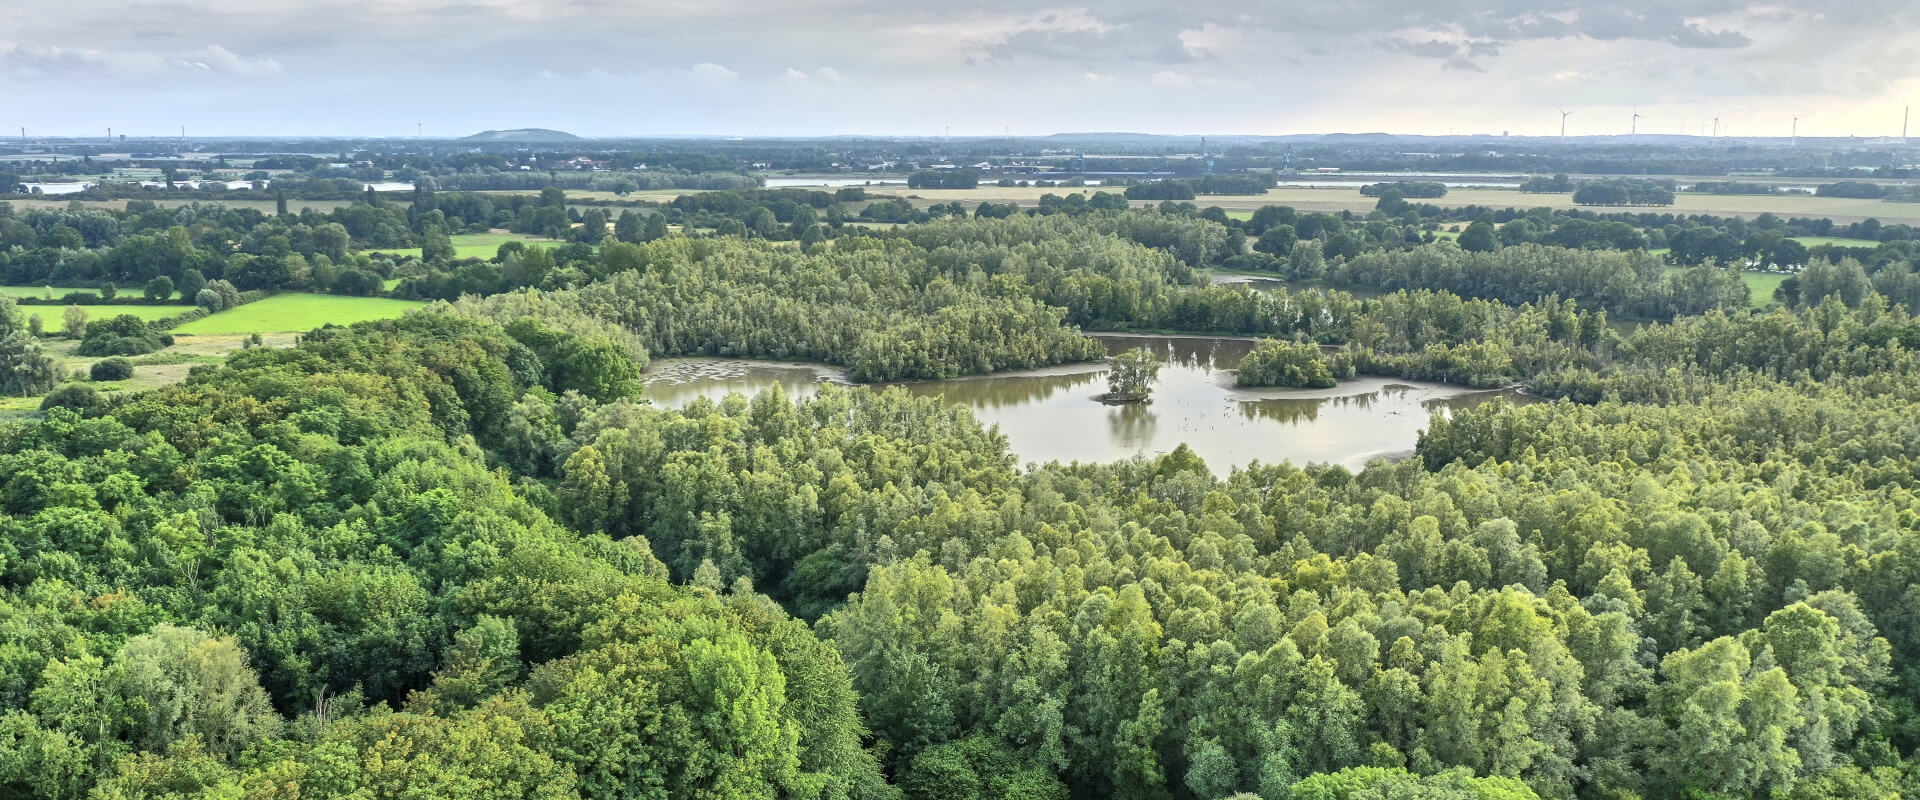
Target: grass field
[
  {"x": 1836, "y": 241},
  {"x": 54, "y": 317},
  {"x": 1762, "y": 284},
  {"x": 297, "y": 312},
  {"x": 1759, "y": 284},
  {"x": 477, "y": 245}
]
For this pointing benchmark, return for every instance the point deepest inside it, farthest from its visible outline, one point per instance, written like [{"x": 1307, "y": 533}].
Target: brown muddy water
[{"x": 1052, "y": 414}]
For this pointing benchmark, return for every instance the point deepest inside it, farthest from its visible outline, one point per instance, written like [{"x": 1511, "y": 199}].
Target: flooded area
[{"x": 1052, "y": 414}]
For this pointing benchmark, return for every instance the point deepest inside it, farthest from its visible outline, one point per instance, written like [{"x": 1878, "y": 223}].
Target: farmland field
[
  {"x": 297, "y": 312},
  {"x": 476, "y": 245}
]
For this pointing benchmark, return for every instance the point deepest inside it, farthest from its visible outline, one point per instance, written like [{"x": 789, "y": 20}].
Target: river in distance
[{"x": 1052, "y": 414}]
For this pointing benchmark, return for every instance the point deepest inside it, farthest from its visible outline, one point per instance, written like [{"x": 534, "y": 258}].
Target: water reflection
[
  {"x": 1052, "y": 414},
  {"x": 1132, "y": 425}
]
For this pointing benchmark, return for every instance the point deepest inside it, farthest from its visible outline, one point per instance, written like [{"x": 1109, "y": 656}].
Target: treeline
[
  {"x": 880, "y": 309},
  {"x": 1624, "y": 192},
  {"x": 1188, "y": 189},
  {"x": 192, "y": 244},
  {"x": 1865, "y": 190},
  {"x": 618, "y": 182},
  {"x": 1632, "y": 283},
  {"x": 1414, "y": 189},
  {"x": 944, "y": 179},
  {"x": 1735, "y": 187},
  {"x": 1826, "y": 340},
  {"x": 1541, "y": 184}
]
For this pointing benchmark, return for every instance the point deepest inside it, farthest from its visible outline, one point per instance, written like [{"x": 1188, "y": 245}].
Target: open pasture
[
  {"x": 475, "y": 245},
  {"x": 296, "y": 312}
]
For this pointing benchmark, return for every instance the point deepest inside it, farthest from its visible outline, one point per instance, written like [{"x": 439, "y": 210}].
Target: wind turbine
[
  {"x": 1635, "y": 129},
  {"x": 1796, "y": 130},
  {"x": 1563, "y": 121}
]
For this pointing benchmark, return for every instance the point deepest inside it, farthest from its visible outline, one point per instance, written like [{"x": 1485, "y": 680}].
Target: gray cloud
[{"x": 765, "y": 66}]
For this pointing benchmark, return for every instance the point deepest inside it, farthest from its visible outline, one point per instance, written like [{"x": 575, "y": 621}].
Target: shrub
[
  {"x": 111, "y": 369},
  {"x": 78, "y": 396},
  {"x": 228, "y": 292},
  {"x": 76, "y": 322},
  {"x": 159, "y": 290},
  {"x": 124, "y": 335}
]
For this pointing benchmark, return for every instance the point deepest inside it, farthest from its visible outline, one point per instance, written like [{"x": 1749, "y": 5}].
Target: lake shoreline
[{"x": 1056, "y": 413}]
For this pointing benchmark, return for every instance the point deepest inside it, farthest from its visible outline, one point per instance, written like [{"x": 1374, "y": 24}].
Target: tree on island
[
  {"x": 1131, "y": 379},
  {"x": 1276, "y": 362}
]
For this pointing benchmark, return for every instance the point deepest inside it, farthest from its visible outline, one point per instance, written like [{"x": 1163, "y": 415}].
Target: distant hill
[{"x": 522, "y": 135}]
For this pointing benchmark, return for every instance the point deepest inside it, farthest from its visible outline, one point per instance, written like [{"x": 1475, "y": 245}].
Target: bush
[
  {"x": 111, "y": 369},
  {"x": 360, "y": 283},
  {"x": 175, "y": 321},
  {"x": 210, "y": 300},
  {"x": 229, "y": 294},
  {"x": 75, "y": 319},
  {"x": 124, "y": 335},
  {"x": 159, "y": 290},
  {"x": 78, "y": 396}
]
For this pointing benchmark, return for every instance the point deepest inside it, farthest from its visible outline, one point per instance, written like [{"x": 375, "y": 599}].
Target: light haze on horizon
[{"x": 915, "y": 68}]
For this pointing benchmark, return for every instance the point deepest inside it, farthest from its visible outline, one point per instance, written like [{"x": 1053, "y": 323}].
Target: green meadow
[
  {"x": 475, "y": 245},
  {"x": 1836, "y": 241},
  {"x": 297, "y": 312}
]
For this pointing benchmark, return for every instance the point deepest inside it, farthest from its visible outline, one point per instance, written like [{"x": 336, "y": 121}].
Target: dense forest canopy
[{"x": 458, "y": 554}]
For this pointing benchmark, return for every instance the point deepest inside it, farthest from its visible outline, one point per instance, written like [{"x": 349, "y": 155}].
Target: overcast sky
[{"x": 793, "y": 67}]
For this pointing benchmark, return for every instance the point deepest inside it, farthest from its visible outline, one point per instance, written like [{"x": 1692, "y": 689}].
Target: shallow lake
[{"x": 1051, "y": 414}]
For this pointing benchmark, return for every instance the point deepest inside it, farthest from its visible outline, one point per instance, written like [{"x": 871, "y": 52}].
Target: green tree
[
  {"x": 180, "y": 682},
  {"x": 111, "y": 369},
  {"x": 159, "y": 290},
  {"x": 628, "y": 228},
  {"x": 436, "y": 245},
  {"x": 1131, "y": 375},
  {"x": 25, "y": 369},
  {"x": 74, "y": 322},
  {"x": 1479, "y": 237},
  {"x": 656, "y": 228},
  {"x": 1274, "y": 362}
]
